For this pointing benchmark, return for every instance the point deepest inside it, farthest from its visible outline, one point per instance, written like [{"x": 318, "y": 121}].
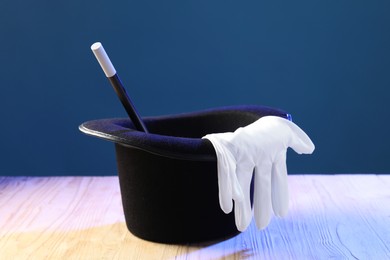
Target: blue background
[{"x": 325, "y": 62}]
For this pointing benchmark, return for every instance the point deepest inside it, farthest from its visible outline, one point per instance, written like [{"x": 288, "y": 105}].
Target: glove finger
[
  {"x": 262, "y": 196},
  {"x": 237, "y": 193},
  {"x": 300, "y": 141},
  {"x": 279, "y": 186},
  {"x": 224, "y": 182},
  {"x": 226, "y": 168},
  {"x": 242, "y": 209}
]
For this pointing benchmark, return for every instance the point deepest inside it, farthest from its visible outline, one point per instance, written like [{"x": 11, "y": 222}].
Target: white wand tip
[{"x": 103, "y": 59}]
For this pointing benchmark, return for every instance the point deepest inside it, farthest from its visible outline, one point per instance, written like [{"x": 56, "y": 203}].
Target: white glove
[{"x": 258, "y": 148}]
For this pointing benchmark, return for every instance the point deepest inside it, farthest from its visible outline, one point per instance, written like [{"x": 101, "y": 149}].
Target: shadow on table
[{"x": 226, "y": 248}]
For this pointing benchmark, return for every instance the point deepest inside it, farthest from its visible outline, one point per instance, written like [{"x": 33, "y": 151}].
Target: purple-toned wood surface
[{"x": 330, "y": 216}]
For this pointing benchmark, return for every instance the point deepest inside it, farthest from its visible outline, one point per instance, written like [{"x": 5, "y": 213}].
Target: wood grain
[{"x": 330, "y": 216}]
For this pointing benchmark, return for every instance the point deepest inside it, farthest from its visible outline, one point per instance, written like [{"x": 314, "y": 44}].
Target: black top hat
[{"x": 168, "y": 177}]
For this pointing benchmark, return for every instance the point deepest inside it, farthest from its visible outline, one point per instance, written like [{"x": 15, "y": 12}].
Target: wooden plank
[{"x": 330, "y": 216}]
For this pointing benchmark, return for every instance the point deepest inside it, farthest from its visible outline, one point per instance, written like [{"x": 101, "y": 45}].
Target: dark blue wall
[{"x": 326, "y": 62}]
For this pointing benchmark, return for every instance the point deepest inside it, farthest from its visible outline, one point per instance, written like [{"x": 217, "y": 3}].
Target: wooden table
[{"x": 330, "y": 216}]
